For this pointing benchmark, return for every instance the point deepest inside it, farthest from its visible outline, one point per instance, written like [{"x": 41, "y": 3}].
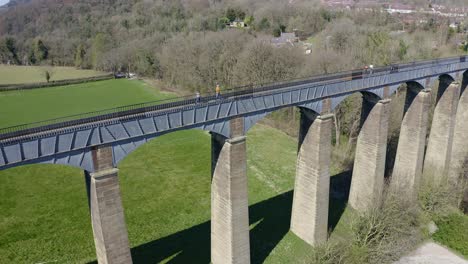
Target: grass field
[
  {"x": 26, "y": 106},
  {"x": 35, "y": 74}
]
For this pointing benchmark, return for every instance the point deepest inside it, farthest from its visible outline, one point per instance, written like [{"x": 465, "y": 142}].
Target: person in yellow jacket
[{"x": 218, "y": 91}]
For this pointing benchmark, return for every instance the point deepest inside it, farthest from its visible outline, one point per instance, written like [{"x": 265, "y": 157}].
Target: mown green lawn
[
  {"x": 33, "y": 74},
  {"x": 27, "y": 106}
]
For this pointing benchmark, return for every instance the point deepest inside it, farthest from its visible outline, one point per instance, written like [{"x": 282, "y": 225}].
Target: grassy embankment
[{"x": 34, "y": 74}]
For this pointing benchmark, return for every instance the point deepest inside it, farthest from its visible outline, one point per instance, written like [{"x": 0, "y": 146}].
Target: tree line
[{"x": 189, "y": 44}]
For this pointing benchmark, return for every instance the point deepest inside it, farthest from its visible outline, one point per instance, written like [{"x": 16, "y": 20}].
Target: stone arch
[
  {"x": 312, "y": 111},
  {"x": 251, "y": 120},
  {"x": 122, "y": 149},
  {"x": 369, "y": 100},
  {"x": 316, "y": 106},
  {"x": 74, "y": 148},
  {"x": 444, "y": 82},
  {"x": 464, "y": 83},
  {"x": 219, "y": 127},
  {"x": 453, "y": 75},
  {"x": 415, "y": 86},
  {"x": 81, "y": 159},
  {"x": 377, "y": 94},
  {"x": 304, "y": 123},
  {"x": 412, "y": 90},
  {"x": 366, "y": 102},
  {"x": 374, "y": 94}
]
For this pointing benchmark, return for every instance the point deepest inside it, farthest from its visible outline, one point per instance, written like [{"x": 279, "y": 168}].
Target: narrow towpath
[{"x": 432, "y": 253}]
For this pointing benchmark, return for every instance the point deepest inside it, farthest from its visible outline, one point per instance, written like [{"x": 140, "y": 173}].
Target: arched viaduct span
[{"x": 97, "y": 142}]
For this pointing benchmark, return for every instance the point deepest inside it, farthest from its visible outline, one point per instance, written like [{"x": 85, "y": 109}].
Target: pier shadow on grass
[
  {"x": 270, "y": 220},
  {"x": 340, "y": 185}
]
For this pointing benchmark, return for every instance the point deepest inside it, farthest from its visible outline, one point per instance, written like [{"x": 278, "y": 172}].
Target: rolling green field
[
  {"x": 34, "y": 74},
  {"x": 26, "y": 106}
]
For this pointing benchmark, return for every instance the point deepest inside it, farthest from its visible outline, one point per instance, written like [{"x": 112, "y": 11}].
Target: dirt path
[{"x": 432, "y": 253}]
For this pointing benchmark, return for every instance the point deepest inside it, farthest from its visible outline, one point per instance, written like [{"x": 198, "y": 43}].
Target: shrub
[
  {"x": 329, "y": 253},
  {"x": 438, "y": 199},
  {"x": 389, "y": 231},
  {"x": 381, "y": 235}
]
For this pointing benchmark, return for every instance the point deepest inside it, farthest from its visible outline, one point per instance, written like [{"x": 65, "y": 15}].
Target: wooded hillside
[{"x": 191, "y": 44}]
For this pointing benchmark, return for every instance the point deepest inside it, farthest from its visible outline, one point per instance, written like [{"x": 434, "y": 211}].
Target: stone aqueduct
[{"x": 97, "y": 146}]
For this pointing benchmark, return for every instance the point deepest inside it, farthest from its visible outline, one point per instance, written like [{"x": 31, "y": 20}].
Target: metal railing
[{"x": 166, "y": 104}]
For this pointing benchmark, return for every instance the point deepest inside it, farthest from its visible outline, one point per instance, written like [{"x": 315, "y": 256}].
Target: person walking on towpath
[
  {"x": 197, "y": 97},
  {"x": 218, "y": 91}
]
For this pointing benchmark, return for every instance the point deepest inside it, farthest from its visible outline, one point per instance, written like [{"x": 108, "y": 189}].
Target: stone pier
[
  {"x": 309, "y": 218},
  {"x": 458, "y": 170},
  {"x": 464, "y": 202},
  {"x": 229, "y": 198},
  {"x": 459, "y": 158},
  {"x": 439, "y": 148},
  {"x": 407, "y": 170},
  {"x": 108, "y": 222},
  {"x": 371, "y": 149}
]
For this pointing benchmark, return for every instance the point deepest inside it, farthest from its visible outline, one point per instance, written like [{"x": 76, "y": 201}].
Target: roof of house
[{"x": 284, "y": 38}]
